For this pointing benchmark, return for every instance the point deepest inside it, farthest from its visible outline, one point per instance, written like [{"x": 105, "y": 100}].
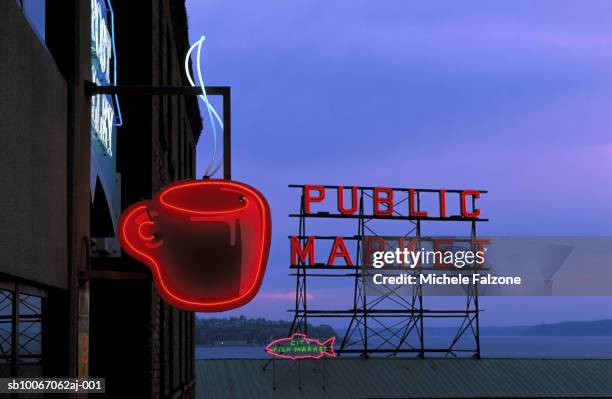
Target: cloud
[
  {"x": 512, "y": 97},
  {"x": 282, "y": 296}
]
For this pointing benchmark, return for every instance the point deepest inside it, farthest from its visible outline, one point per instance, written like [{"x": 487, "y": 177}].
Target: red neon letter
[
  {"x": 410, "y": 247},
  {"x": 437, "y": 247},
  {"x": 339, "y": 249},
  {"x": 411, "y": 244},
  {"x": 298, "y": 252},
  {"x": 341, "y": 207},
  {"x": 480, "y": 243},
  {"x": 388, "y": 200},
  {"x": 308, "y": 199},
  {"x": 476, "y": 212},
  {"x": 442, "y": 203},
  {"x": 412, "y": 211},
  {"x": 371, "y": 245}
]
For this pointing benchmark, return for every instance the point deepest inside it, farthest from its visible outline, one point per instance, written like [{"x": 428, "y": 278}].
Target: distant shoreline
[
  {"x": 595, "y": 328},
  {"x": 256, "y": 333},
  {"x": 527, "y": 347}
]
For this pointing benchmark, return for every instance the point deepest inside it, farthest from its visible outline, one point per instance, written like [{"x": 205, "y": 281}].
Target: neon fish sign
[{"x": 299, "y": 346}]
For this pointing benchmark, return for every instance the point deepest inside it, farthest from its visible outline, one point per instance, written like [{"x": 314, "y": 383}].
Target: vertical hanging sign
[
  {"x": 102, "y": 106},
  {"x": 105, "y": 111}
]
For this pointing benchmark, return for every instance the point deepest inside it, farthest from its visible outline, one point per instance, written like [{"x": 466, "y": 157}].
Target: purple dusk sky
[{"x": 511, "y": 97}]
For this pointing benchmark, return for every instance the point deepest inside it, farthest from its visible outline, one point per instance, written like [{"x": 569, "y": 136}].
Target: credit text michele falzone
[{"x": 456, "y": 259}]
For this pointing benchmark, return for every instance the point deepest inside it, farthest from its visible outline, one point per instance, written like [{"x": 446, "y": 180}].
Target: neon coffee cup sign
[
  {"x": 205, "y": 241},
  {"x": 299, "y": 346}
]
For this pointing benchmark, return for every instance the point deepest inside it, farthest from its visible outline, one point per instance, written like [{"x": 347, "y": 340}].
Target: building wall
[
  {"x": 44, "y": 174},
  {"x": 156, "y": 146},
  {"x": 33, "y": 161},
  {"x": 142, "y": 346},
  {"x": 175, "y": 130}
]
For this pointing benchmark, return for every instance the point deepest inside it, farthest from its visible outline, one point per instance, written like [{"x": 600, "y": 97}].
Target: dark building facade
[
  {"x": 71, "y": 303},
  {"x": 156, "y": 146}
]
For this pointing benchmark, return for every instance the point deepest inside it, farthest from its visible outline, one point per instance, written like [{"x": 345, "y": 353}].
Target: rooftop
[{"x": 405, "y": 378}]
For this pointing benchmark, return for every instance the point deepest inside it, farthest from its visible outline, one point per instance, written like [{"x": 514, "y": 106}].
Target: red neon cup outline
[
  {"x": 165, "y": 291},
  {"x": 165, "y": 203}
]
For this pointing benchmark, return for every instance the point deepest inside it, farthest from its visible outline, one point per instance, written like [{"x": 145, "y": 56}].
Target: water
[
  {"x": 230, "y": 352},
  {"x": 492, "y": 346}
]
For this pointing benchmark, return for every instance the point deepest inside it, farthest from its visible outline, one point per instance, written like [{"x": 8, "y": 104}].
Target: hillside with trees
[{"x": 250, "y": 331}]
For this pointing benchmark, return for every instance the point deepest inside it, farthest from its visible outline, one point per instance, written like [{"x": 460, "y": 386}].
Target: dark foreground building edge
[{"x": 72, "y": 305}]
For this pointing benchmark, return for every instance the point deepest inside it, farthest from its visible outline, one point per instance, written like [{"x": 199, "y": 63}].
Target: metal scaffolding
[{"x": 385, "y": 321}]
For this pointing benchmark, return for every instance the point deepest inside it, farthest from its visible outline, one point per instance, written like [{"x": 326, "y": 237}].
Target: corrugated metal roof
[{"x": 404, "y": 378}]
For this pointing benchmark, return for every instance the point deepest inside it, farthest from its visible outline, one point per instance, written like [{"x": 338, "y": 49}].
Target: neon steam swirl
[{"x": 213, "y": 116}]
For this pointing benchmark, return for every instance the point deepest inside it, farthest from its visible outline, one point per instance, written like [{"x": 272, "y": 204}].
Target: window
[
  {"x": 6, "y": 326},
  {"x": 30, "y": 328},
  {"x": 34, "y": 11},
  {"x": 20, "y": 327}
]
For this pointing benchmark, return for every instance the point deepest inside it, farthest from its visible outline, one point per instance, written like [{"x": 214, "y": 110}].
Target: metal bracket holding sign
[
  {"x": 92, "y": 89},
  {"x": 200, "y": 206}
]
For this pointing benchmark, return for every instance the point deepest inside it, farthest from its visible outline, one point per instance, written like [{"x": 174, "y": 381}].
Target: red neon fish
[{"x": 299, "y": 346}]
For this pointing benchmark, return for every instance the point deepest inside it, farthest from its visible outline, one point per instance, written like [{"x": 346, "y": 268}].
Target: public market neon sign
[{"x": 379, "y": 203}]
